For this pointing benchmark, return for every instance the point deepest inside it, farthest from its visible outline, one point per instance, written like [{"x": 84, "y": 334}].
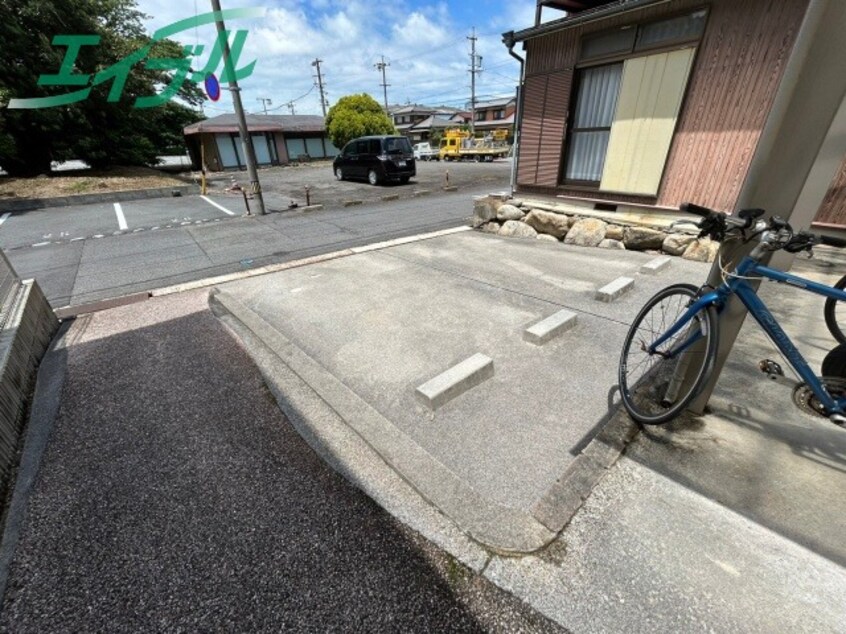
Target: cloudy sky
[{"x": 424, "y": 41}]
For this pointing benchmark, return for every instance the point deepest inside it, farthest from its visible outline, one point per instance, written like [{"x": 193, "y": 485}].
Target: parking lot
[
  {"x": 59, "y": 225},
  {"x": 283, "y": 185}
]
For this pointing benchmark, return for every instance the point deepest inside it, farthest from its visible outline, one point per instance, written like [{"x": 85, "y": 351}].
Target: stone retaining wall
[
  {"x": 24, "y": 337},
  {"x": 513, "y": 217}
]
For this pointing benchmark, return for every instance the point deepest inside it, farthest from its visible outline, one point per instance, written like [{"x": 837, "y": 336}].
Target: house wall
[
  {"x": 489, "y": 112},
  {"x": 833, "y": 208},
  {"x": 738, "y": 66}
]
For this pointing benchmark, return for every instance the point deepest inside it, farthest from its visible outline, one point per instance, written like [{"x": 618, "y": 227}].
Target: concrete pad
[
  {"x": 656, "y": 266},
  {"x": 352, "y": 203},
  {"x": 613, "y": 290},
  {"x": 498, "y": 526},
  {"x": 421, "y": 192},
  {"x": 454, "y": 382},
  {"x": 552, "y": 326},
  {"x": 383, "y": 322}
]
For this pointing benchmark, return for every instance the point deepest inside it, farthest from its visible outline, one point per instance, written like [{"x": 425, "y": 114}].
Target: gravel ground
[
  {"x": 282, "y": 185},
  {"x": 175, "y": 496},
  {"x": 86, "y": 181}
]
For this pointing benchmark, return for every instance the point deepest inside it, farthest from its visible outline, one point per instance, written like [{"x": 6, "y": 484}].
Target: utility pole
[
  {"x": 265, "y": 102},
  {"x": 473, "y": 71},
  {"x": 316, "y": 63},
  {"x": 382, "y": 66},
  {"x": 290, "y": 105},
  {"x": 246, "y": 139}
]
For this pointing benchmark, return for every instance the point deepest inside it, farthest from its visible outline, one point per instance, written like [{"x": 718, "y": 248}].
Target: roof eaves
[{"x": 583, "y": 17}]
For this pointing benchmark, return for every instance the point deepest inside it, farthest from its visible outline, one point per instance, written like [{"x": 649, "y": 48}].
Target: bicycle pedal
[{"x": 771, "y": 369}]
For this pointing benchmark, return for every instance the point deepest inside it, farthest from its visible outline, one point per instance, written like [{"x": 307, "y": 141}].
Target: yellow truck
[{"x": 458, "y": 145}]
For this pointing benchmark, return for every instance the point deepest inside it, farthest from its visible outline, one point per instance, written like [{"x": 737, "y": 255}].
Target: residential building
[
  {"x": 419, "y": 122},
  {"x": 277, "y": 139},
  {"x": 654, "y": 101},
  {"x": 495, "y": 114}
]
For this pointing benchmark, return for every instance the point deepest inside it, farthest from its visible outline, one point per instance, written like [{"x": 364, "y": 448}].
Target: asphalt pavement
[
  {"x": 94, "y": 252},
  {"x": 174, "y": 496}
]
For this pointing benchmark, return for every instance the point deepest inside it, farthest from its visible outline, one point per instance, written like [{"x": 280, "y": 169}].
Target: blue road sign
[{"x": 212, "y": 87}]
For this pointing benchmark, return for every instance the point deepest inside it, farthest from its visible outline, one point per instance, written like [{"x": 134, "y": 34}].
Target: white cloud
[{"x": 424, "y": 41}]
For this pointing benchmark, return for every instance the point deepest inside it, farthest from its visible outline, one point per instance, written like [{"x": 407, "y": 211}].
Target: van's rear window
[{"x": 398, "y": 145}]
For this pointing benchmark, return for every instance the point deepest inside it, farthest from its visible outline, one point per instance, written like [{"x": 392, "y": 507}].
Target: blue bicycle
[{"x": 669, "y": 352}]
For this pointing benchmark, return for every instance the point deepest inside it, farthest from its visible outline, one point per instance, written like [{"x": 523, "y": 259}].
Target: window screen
[
  {"x": 608, "y": 43},
  {"x": 681, "y": 29}
]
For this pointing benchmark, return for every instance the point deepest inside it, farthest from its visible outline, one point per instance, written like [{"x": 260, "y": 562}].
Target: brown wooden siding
[
  {"x": 833, "y": 208},
  {"x": 739, "y": 63},
  {"x": 553, "y": 127},
  {"x": 530, "y": 134}
]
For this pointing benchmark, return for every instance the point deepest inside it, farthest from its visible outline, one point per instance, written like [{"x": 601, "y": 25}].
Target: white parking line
[
  {"x": 214, "y": 204},
  {"x": 121, "y": 218},
  {"x": 5, "y": 217}
]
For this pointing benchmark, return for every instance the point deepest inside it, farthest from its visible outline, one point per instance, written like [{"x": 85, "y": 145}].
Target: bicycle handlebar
[{"x": 715, "y": 223}]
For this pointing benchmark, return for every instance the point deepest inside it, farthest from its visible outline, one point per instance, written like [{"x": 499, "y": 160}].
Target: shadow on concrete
[{"x": 173, "y": 494}]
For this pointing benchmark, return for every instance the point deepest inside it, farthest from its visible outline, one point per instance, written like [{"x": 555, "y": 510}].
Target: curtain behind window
[{"x": 594, "y": 114}]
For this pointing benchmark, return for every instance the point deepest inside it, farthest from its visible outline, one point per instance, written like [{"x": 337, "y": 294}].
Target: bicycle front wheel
[
  {"x": 650, "y": 384},
  {"x": 835, "y": 314}
]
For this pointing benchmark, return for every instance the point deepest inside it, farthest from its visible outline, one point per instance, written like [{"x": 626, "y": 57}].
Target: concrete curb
[
  {"x": 561, "y": 501},
  {"x": 78, "y": 309},
  {"x": 500, "y": 528},
  {"x": 30, "y": 204}
]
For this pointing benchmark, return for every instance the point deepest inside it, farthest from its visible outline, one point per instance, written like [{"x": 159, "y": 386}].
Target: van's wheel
[
  {"x": 479, "y": 158},
  {"x": 372, "y": 177},
  {"x": 339, "y": 173},
  {"x": 404, "y": 179}
]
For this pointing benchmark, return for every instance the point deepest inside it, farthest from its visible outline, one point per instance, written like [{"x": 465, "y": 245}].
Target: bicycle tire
[
  {"x": 644, "y": 397},
  {"x": 830, "y": 313}
]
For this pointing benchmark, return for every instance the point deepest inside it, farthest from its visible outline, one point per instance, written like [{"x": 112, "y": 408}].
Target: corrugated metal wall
[{"x": 736, "y": 72}]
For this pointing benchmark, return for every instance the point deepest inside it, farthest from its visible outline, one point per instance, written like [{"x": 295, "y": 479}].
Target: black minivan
[{"x": 376, "y": 158}]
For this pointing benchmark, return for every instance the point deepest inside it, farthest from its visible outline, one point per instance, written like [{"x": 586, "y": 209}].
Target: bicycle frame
[{"x": 738, "y": 286}]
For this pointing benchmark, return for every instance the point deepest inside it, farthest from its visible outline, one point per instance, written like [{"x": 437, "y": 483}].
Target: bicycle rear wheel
[
  {"x": 649, "y": 383},
  {"x": 835, "y": 314}
]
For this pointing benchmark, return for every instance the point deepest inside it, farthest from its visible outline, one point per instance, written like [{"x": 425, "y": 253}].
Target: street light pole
[
  {"x": 265, "y": 102},
  {"x": 246, "y": 139}
]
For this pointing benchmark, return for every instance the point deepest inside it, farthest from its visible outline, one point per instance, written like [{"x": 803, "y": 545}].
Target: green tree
[
  {"x": 354, "y": 116},
  {"x": 93, "y": 130}
]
